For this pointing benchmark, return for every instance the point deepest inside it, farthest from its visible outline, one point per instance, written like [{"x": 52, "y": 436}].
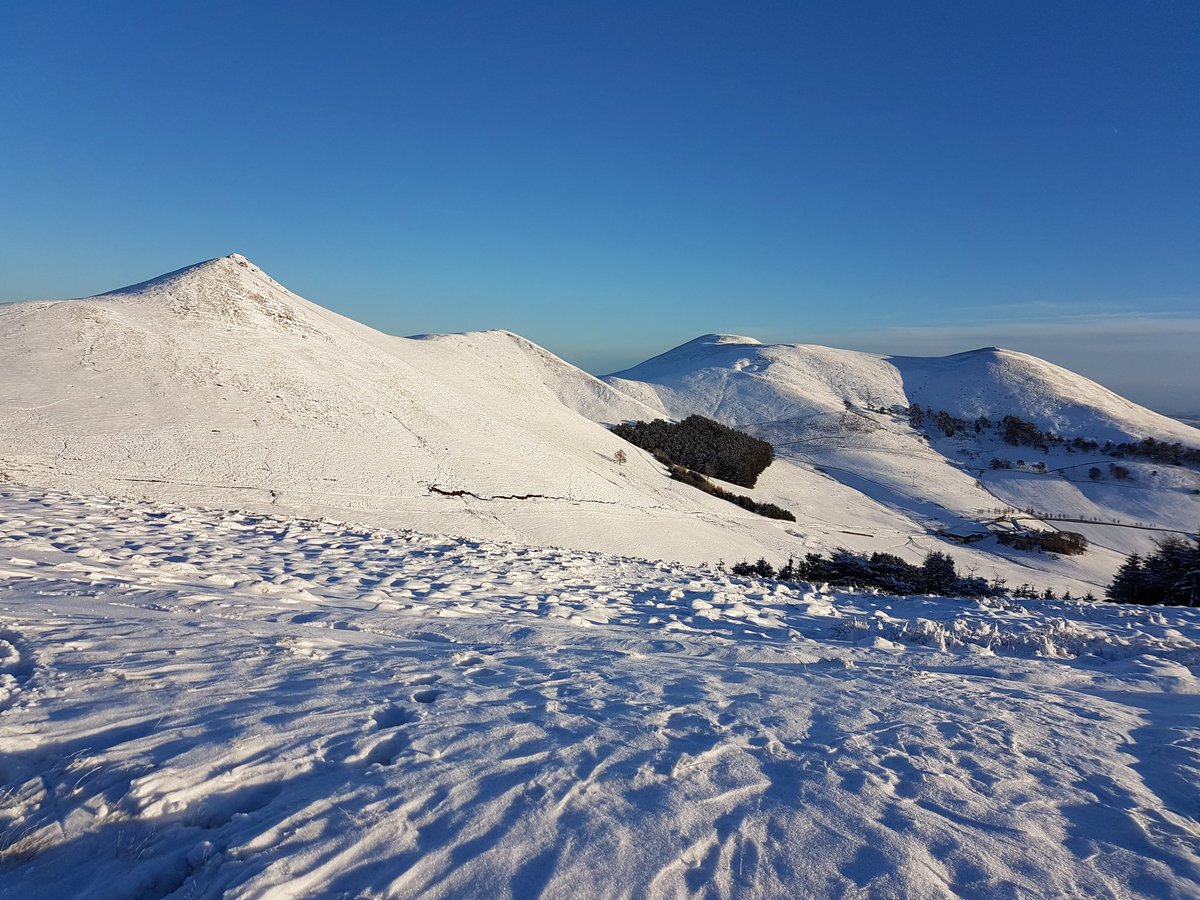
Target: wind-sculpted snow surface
[{"x": 201, "y": 703}]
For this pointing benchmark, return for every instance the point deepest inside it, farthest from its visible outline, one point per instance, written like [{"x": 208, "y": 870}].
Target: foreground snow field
[{"x": 200, "y": 702}]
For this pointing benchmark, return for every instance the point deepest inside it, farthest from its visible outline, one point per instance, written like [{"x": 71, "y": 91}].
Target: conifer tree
[
  {"x": 1128, "y": 586},
  {"x": 938, "y": 574}
]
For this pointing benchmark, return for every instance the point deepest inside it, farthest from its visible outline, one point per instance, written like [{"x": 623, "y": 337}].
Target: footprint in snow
[
  {"x": 473, "y": 665},
  {"x": 393, "y": 717},
  {"x": 385, "y": 752},
  {"x": 431, "y": 637}
]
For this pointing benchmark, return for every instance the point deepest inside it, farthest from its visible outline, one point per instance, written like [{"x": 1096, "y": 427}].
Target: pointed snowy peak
[
  {"x": 229, "y": 290},
  {"x": 217, "y": 269}
]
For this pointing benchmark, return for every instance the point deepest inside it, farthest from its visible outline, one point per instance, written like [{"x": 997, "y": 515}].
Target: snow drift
[{"x": 205, "y": 704}]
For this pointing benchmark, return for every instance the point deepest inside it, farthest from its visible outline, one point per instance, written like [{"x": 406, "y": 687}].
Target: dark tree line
[
  {"x": 1017, "y": 432},
  {"x": 703, "y": 446},
  {"x": 770, "y": 510},
  {"x": 1170, "y": 575},
  {"x": 887, "y": 572}
]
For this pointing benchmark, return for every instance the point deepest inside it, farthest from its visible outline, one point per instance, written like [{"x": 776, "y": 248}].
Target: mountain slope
[
  {"x": 844, "y": 414},
  {"x": 215, "y": 384},
  {"x": 771, "y": 384}
]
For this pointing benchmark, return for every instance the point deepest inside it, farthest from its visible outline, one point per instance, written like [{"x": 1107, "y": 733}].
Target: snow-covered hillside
[
  {"x": 844, "y": 414},
  {"x": 201, "y": 704},
  {"x": 737, "y": 378},
  {"x": 215, "y": 384}
]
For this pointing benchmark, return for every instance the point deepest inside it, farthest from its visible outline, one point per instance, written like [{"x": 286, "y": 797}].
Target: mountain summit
[
  {"x": 230, "y": 291},
  {"x": 744, "y": 382}
]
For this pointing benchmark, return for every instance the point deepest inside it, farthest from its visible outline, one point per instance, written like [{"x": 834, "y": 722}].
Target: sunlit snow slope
[
  {"x": 844, "y": 414},
  {"x": 217, "y": 385}
]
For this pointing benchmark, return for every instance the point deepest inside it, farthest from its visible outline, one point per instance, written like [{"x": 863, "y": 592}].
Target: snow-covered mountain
[
  {"x": 846, "y": 414},
  {"x": 216, "y": 385},
  {"x": 219, "y": 702},
  {"x": 780, "y": 386}
]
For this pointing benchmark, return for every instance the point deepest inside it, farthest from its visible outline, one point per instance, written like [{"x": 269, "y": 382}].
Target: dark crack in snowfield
[{"x": 201, "y": 703}]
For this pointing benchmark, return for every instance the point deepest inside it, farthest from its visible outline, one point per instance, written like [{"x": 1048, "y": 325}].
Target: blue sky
[{"x": 611, "y": 179}]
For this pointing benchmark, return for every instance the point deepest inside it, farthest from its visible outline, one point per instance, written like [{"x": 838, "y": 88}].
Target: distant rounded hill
[{"x": 741, "y": 381}]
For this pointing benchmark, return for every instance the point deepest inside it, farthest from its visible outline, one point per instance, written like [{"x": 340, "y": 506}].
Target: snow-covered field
[{"x": 197, "y": 702}]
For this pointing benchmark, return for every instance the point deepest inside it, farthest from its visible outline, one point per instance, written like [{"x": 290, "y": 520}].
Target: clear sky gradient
[{"x": 611, "y": 179}]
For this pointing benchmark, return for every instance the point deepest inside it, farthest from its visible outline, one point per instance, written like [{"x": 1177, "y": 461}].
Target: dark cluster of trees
[
  {"x": 702, "y": 445},
  {"x": 1173, "y": 454},
  {"x": 1017, "y": 432},
  {"x": 1170, "y": 575},
  {"x": 1029, "y": 592},
  {"x": 883, "y": 571},
  {"x": 1065, "y": 543},
  {"x": 945, "y": 422},
  {"x": 696, "y": 480}
]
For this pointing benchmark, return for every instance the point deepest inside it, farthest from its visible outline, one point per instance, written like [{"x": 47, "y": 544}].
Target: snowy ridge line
[{"x": 161, "y": 389}]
